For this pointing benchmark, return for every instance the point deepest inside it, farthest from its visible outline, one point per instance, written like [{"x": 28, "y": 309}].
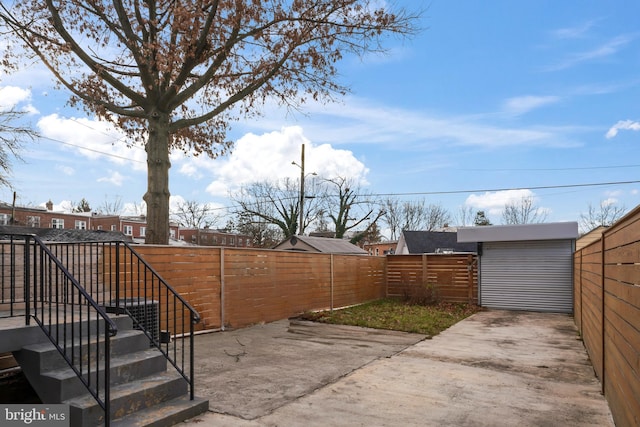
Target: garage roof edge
[{"x": 509, "y": 233}]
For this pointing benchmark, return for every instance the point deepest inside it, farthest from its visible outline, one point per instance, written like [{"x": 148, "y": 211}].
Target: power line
[
  {"x": 485, "y": 190},
  {"x": 552, "y": 169},
  {"x": 92, "y": 150}
]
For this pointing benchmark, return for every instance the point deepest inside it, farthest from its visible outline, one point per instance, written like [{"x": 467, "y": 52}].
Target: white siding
[{"x": 528, "y": 275}]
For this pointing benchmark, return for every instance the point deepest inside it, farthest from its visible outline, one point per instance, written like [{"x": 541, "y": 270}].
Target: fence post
[
  {"x": 604, "y": 306},
  {"x": 425, "y": 270},
  {"x": 331, "y": 266},
  {"x": 222, "y": 289},
  {"x": 470, "y": 276}
]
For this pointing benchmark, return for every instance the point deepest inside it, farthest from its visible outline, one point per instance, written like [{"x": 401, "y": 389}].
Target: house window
[
  {"x": 248, "y": 243},
  {"x": 182, "y": 237},
  {"x": 128, "y": 230},
  {"x": 33, "y": 221},
  {"x": 113, "y": 227},
  {"x": 143, "y": 231},
  {"x": 5, "y": 219},
  {"x": 193, "y": 238},
  {"x": 57, "y": 223},
  {"x": 215, "y": 239},
  {"x": 224, "y": 240},
  {"x": 81, "y": 225},
  {"x": 172, "y": 234},
  {"x": 232, "y": 241},
  {"x": 99, "y": 227}
]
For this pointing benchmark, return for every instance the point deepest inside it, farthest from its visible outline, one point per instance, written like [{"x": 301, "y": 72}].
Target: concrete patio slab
[{"x": 496, "y": 368}]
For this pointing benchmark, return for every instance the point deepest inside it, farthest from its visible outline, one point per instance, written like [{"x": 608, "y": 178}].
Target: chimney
[{"x": 49, "y": 205}]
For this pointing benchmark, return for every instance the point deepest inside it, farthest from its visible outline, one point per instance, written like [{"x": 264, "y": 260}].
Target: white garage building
[{"x": 525, "y": 267}]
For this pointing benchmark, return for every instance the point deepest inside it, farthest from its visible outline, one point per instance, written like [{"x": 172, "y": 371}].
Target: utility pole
[{"x": 301, "y": 230}]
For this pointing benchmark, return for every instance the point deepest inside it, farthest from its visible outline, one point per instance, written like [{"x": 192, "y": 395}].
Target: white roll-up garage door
[{"x": 527, "y": 275}]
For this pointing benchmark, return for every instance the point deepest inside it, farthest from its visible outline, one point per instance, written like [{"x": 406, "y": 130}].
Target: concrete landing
[{"x": 496, "y": 368}]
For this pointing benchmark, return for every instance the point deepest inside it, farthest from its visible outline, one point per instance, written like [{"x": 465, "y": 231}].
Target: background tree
[
  {"x": 523, "y": 211},
  {"x": 349, "y": 208},
  {"x": 414, "y": 215},
  {"x": 262, "y": 234},
  {"x": 605, "y": 214},
  {"x": 436, "y": 216},
  {"x": 393, "y": 217},
  {"x": 276, "y": 203},
  {"x": 481, "y": 219},
  {"x": 465, "y": 216},
  {"x": 12, "y": 136},
  {"x": 83, "y": 206},
  {"x": 111, "y": 207},
  {"x": 191, "y": 214},
  {"x": 174, "y": 74}
]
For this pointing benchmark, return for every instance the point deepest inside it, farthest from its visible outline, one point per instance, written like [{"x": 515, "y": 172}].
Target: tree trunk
[{"x": 157, "y": 195}]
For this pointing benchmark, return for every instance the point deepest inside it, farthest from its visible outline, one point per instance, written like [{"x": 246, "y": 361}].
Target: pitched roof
[
  {"x": 420, "y": 242},
  {"x": 64, "y": 235},
  {"x": 320, "y": 244}
]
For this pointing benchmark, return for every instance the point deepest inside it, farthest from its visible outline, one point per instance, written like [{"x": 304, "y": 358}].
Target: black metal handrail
[
  {"x": 124, "y": 283},
  {"x": 78, "y": 327}
]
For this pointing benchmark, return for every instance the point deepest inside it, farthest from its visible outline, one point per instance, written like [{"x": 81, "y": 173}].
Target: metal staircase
[{"x": 110, "y": 368}]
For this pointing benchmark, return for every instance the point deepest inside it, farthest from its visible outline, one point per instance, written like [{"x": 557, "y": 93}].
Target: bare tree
[
  {"x": 605, "y": 214},
  {"x": 524, "y": 211},
  {"x": 414, "y": 215},
  {"x": 174, "y": 74},
  {"x": 276, "y": 203},
  {"x": 353, "y": 208},
  {"x": 393, "y": 216},
  {"x": 465, "y": 216},
  {"x": 262, "y": 233},
  {"x": 436, "y": 216},
  {"x": 111, "y": 207},
  {"x": 191, "y": 214},
  {"x": 12, "y": 137}
]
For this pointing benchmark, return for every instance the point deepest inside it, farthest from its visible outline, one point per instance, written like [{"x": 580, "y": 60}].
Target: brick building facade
[{"x": 131, "y": 226}]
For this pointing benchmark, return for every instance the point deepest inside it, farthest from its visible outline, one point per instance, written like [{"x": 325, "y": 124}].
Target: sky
[{"x": 489, "y": 103}]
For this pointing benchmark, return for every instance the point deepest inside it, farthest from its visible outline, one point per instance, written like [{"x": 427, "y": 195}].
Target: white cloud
[
  {"x": 493, "y": 202},
  {"x": 576, "y": 32},
  {"x": 115, "y": 178},
  {"x": 67, "y": 170},
  {"x": 364, "y": 121},
  {"x": 94, "y": 139},
  {"x": 605, "y": 50},
  {"x": 524, "y": 104},
  {"x": 269, "y": 157},
  {"x": 10, "y": 96},
  {"x": 622, "y": 125}
]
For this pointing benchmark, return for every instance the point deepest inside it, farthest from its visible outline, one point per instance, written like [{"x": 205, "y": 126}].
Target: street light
[{"x": 302, "y": 177}]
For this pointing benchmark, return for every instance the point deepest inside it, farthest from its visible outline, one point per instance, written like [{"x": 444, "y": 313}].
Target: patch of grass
[{"x": 398, "y": 315}]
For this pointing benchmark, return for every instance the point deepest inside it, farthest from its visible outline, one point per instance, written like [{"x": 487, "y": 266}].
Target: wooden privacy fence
[
  {"x": 607, "y": 313},
  {"x": 235, "y": 287},
  {"x": 453, "y": 278}
]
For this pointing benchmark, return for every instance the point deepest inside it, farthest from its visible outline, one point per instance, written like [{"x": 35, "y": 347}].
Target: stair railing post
[
  {"x": 27, "y": 282},
  {"x": 107, "y": 375},
  {"x": 191, "y": 356},
  {"x": 118, "y": 278}
]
